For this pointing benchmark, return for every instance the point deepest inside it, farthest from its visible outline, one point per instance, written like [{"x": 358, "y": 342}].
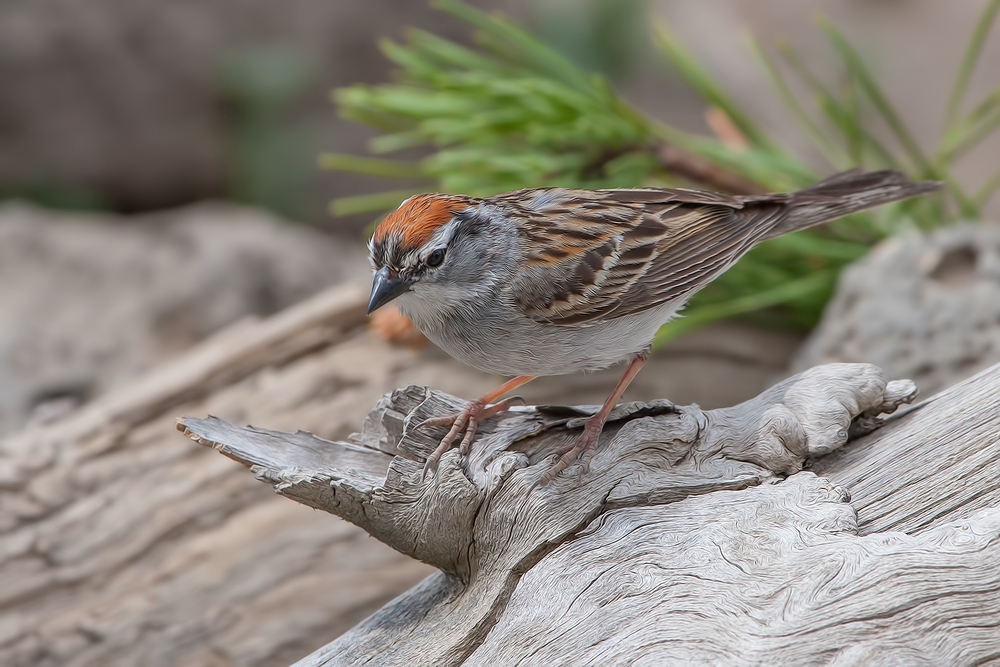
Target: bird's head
[{"x": 433, "y": 245}]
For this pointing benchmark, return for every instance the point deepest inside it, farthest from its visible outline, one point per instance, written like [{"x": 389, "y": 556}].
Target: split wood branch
[{"x": 680, "y": 543}]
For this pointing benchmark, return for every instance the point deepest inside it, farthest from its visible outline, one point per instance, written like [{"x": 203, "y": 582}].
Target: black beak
[{"x": 385, "y": 289}]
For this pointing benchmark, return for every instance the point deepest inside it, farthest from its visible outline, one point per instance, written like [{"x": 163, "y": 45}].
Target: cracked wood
[{"x": 684, "y": 542}]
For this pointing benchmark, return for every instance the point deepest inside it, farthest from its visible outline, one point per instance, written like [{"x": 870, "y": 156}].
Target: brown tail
[{"x": 845, "y": 193}]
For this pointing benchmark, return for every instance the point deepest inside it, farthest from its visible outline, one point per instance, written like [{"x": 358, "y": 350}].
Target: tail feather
[{"x": 846, "y": 193}]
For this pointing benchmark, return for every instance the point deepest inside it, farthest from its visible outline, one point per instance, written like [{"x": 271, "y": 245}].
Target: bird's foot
[
  {"x": 468, "y": 421},
  {"x": 582, "y": 448}
]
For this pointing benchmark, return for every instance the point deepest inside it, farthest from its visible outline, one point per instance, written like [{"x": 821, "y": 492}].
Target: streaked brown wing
[{"x": 598, "y": 255}]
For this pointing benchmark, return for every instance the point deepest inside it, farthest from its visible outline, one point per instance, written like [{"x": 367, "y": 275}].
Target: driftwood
[
  {"x": 122, "y": 543},
  {"x": 693, "y": 538}
]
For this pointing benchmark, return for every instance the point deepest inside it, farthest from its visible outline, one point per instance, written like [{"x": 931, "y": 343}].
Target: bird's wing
[{"x": 599, "y": 255}]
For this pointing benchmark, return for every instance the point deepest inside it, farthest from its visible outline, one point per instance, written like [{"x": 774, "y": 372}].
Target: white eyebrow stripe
[
  {"x": 440, "y": 239},
  {"x": 442, "y": 236}
]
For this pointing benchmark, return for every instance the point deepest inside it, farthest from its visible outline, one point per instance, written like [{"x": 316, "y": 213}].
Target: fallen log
[
  {"x": 123, "y": 543},
  {"x": 695, "y": 536}
]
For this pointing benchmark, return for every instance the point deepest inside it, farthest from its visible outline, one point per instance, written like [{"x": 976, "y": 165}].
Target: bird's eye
[{"x": 435, "y": 258}]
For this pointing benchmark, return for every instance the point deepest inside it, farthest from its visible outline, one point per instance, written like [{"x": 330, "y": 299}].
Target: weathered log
[
  {"x": 123, "y": 543},
  {"x": 694, "y": 537}
]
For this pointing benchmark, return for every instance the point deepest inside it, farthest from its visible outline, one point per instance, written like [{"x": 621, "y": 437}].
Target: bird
[{"x": 552, "y": 281}]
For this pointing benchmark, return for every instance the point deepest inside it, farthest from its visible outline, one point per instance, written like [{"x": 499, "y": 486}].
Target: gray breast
[{"x": 497, "y": 339}]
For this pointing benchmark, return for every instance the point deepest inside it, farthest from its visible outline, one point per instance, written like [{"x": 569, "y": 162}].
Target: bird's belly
[{"x": 526, "y": 347}]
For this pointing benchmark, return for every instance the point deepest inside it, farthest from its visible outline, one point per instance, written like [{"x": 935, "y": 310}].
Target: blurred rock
[
  {"x": 88, "y": 301},
  {"x": 149, "y": 104},
  {"x": 921, "y": 307}
]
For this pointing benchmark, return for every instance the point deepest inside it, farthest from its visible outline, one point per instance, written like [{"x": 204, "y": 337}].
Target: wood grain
[
  {"x": 121, "y": 543},
  {"x": 694, "y": 537}
]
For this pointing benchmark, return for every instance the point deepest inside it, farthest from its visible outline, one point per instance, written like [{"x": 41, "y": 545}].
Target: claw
[
  {"x": 470, "y": 431},
  {"x": 583, "y": 448},
  {"x": 468, "y": 420},
  {"x": 436, "y": 421}
]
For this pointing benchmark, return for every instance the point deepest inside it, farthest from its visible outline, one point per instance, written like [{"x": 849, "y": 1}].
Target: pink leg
[
  {"x": 468, "y": 419},
  {"x": 587, "y": 442}
]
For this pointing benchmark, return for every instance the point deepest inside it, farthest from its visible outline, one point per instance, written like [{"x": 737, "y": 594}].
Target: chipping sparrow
[{"x": 555, "y": 281}]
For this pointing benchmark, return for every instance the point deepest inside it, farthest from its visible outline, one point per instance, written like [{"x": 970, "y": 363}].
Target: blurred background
[
  {"x": 170, "y": 169},
  {"x": 149, "y": 106},
  {"x": 140, "y": 112}
]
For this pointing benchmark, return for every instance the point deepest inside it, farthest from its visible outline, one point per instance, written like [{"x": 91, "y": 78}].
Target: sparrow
[{"x": 553, "y": 281}]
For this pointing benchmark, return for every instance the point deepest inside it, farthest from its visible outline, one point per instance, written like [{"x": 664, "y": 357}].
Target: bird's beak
[{"x": 385, "y": 288}]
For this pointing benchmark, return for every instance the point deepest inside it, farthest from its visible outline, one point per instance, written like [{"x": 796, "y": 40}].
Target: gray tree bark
[{"x": 695, "y": 536}]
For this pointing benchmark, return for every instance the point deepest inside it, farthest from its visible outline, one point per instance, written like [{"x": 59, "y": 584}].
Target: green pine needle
[
  {"x": 969, "y": 60},
  {"x": 514, "y": 113}
]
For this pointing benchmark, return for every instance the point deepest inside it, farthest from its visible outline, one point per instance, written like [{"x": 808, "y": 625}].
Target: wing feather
[{"x": 599, "y": 255}]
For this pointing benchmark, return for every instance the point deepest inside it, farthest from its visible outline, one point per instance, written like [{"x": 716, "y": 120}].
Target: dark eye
[{"x": 435, "y": 258}]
